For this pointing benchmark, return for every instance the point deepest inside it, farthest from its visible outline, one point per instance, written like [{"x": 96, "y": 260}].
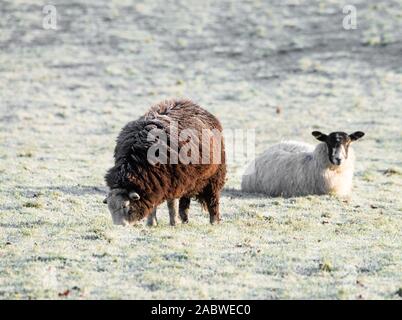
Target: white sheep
[{"x": 292, "y": 168}]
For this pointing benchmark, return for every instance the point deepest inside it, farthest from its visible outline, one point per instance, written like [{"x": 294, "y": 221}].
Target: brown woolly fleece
[{"x": 157, "y": 183}]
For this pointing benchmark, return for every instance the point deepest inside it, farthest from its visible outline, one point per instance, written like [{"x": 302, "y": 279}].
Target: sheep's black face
[
  {"x": 338, "y": 144},
  {"x": 120, "y": 203}
]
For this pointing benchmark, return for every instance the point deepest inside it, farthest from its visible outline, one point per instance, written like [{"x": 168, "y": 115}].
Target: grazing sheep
[
  {"x": 292, "y": 169},
  {"x": 138, "y": 185}
]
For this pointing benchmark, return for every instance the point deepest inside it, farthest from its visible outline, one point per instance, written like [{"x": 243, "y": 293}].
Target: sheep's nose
[{"x": 337, "y": 161}]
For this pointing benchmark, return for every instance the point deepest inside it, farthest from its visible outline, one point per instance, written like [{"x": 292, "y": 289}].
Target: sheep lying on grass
[
  {"x": 292, "y": 168},
  {"x": 138, "y": 185}
]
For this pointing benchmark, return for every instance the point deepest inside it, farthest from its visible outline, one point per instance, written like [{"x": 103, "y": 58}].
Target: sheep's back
[
  {"x": 291, "y": 146},
  {"x": 185, "y": 113}
]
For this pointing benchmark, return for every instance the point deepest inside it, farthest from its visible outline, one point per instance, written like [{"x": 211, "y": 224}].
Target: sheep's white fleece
[{"x": 293, "y": 168}]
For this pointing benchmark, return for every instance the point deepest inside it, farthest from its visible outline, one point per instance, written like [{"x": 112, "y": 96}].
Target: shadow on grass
[
  {"x": 77, "y": 190},
  {"x": 235, "y": 193},
  {"x": 37, "y": 192},
  {"x": 24, "y": 224}
]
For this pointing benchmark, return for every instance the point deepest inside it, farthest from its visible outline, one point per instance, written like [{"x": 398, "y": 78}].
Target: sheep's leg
[
  {"x": 184, "y": 206},
  {"x": 172, "y": 206},
  {"x": 152, "y": 221},
  {"x": 213, "y": 209},
  {"x": 210, "y": 196}
]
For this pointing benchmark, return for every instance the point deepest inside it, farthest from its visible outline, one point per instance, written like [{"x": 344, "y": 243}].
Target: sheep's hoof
[
  {"x": 184, "y": 217},
  {"x": 152, "y": 223},
  {"x": 214, "y": 220},
  {"x": 173, "y": 222}
]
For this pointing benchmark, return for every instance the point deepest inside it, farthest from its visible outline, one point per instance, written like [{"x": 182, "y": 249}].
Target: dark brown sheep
[{"x": 139, "y": 185}]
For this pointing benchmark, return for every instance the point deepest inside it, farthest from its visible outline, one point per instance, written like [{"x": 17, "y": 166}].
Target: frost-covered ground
[{"x": 65, "y": 94}]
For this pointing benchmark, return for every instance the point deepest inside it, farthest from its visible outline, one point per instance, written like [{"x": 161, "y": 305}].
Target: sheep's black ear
[
  {"x": 356, "y": 135},
  {"x": 134, "y": 195},
  {"x": 105, "y": 200},
  {"x": 319, "y": 136}
]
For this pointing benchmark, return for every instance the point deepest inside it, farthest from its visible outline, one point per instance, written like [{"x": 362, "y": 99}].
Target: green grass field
[{"x": 65, "y": 94}]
